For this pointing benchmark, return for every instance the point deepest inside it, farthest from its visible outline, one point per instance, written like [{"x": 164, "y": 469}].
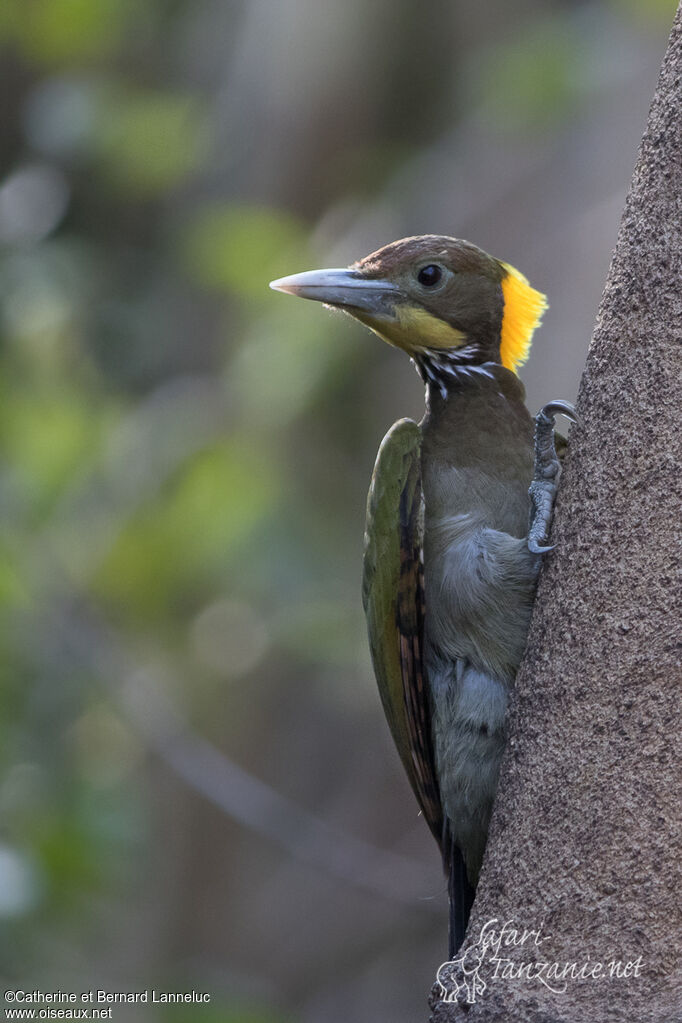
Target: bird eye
[{"x": 429, "y": 275}]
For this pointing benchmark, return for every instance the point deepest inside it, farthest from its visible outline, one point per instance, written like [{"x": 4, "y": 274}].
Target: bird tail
[{"x": 460, "y": 894}]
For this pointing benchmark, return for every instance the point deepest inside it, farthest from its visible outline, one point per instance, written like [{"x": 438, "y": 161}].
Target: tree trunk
[{"x": 585, "y": 839}]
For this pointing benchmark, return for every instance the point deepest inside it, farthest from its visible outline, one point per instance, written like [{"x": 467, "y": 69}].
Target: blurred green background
[{"x": 197, "y": 787}]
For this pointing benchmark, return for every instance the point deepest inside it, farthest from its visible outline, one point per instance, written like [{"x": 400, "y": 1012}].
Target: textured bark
[{"x": 585, "y": 838}]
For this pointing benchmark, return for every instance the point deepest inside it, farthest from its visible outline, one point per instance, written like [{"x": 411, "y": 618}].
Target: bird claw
[
  {"x": 542, "y": 490},
  {"x": 536, "y": 548},
  {"x": 558, "y": 407}
]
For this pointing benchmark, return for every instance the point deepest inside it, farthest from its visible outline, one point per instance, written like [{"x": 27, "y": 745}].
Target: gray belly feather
[{"x": 479, "y": 592}]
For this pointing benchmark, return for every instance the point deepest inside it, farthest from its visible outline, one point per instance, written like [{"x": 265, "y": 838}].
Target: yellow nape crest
[{"x": 523, "y": 309}]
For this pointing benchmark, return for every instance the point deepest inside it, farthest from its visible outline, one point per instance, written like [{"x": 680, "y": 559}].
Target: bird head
[{"x": 433, "y": 296}]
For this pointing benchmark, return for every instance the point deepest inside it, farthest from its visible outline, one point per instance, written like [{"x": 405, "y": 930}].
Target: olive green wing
[{"x": 393, "y": 598}]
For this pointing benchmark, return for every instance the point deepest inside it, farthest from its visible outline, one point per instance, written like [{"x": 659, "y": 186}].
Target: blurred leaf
[
  {"x": 151, "y": 141},
  {"x": 13, "y": 589},
  {"x": 653, "y": 12},
  {"x": 47, "y": 294},
  {"x": 241, "y": 248},
  {"x": 189, "y": 534},
  {"x": 106, "y": 747},
  {"x": 78, "y": 836},
  {"x": 47, "y": 436},
  {"x": 532, "y": 80},
  {"x": 282, "y": 363},
  {"x": 70, "y": 852},
  {"x": 66, "y": 31},
  {"x": 321, "y": 632}
]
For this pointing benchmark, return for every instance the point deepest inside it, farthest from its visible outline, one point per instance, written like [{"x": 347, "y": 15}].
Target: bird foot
[{"x": 543, "y": 489}]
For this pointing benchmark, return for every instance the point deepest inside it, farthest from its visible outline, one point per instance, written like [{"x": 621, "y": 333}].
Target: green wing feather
[{"x": 393, "y": 597}]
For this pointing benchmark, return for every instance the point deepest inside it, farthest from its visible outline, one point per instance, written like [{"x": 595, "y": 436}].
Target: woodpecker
[{"x": 458, "y": 516}]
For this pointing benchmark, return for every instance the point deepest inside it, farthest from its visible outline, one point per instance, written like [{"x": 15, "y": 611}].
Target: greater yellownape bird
[{"x": 458, "y": 516}]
